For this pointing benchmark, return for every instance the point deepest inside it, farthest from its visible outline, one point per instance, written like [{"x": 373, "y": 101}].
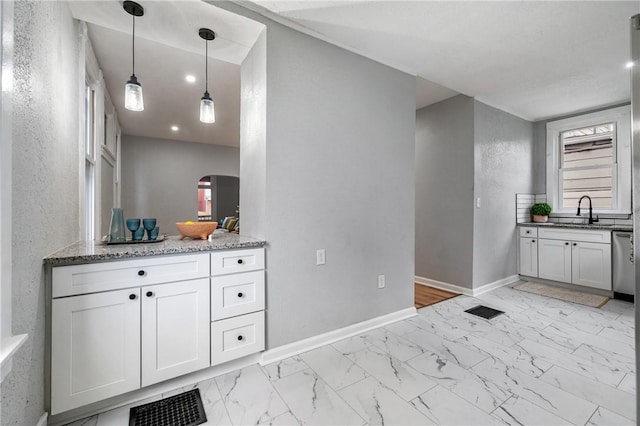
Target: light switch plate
[{"x": 381, "y": 282}]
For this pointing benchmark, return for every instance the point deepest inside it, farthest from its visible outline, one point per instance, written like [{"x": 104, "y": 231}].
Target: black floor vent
[
  {"x": 484, "y": 312},
  {"x": 181, "y": 410}
]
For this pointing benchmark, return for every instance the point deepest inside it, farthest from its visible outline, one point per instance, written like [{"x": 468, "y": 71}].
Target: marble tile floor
[{"x": 544, "y": 362}]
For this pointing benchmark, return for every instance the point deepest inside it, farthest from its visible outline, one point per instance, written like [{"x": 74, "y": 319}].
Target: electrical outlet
[
  {"x": 381, "y": 282},
  {"x": 320, "y": 257},
  {"x": 478, "y": 202}
]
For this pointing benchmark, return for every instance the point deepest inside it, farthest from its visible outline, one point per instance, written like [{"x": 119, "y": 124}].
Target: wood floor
[{"x": 425, "y": 295}]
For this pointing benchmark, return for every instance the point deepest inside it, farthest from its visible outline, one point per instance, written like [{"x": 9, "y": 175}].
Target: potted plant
[{"x": 540, "y": 212}]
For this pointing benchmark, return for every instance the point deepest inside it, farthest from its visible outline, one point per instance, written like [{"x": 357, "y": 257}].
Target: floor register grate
[
  {"x": 184, "y": 409},
  {"x": 484, "y": 312}
]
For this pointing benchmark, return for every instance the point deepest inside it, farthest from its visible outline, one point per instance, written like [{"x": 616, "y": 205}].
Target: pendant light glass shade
[
  {"x": 133, "y": 99},
  {"x": 207, "y": 109}
]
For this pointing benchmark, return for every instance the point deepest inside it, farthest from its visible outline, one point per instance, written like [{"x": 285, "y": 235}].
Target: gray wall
[
  {"x": 227, "y": 190},
  {"x": 45, "y": 184},
  {"x": 444, "y": 161},
  {"x": 160, "y": 177},
  {"x": 253, "y": 136},
  {"x": 340, "y": 145},
  {"x": 503, "y": 158},
  {"x": 338, "y": 174}
]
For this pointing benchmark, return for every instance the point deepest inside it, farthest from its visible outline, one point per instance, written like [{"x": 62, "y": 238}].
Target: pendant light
[
  {"x": 133, "y": 90},
  {"x": 207, "y": 110}
]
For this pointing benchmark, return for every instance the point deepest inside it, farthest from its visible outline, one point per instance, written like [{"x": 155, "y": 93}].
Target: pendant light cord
[
  {"x": 133, "y": 45},
  {"x": 206, "y": 66}
]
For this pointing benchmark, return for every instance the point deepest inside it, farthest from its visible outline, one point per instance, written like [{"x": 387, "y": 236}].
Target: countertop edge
[
  {"x": 83, "y": 252},
  {"x": 578, "y": 226}
]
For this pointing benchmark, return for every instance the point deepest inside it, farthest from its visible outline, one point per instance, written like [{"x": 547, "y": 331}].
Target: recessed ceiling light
[
  {"x": 190, "y": 78},
  {"x": 175, "y": 128},
  {"x": 630, "y": 64}
]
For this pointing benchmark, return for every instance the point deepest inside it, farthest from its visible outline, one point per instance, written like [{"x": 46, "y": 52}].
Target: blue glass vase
[{"x": 116, "y": 227}]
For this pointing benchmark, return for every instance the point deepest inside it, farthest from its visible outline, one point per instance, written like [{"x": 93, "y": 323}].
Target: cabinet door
[
  {"x": 591, "y": 264},
  {"x": 529, "y": 257},
  {"x": 554, "y": 260},
  {"x": 96, "y": 347},
  {"x": 175, "y": 329}
]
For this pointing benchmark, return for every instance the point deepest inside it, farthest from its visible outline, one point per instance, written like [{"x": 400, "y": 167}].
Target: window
[
  {"x": 590, "y": 155},
  {"x": 90, "y": 161}
]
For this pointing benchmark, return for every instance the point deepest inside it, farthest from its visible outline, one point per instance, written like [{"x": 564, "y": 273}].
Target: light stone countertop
[
  {"x": 595, "y": 226},
  {"x": 94, "y": 251}
]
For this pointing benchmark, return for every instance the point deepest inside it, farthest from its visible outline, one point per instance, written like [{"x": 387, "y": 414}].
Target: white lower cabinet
[
  {"x": 175, "y": 332},
  {"x": 581, "y": 257},
  {"x": 237, "y": 304},
  {"x": 554, "y": 260},
  {"x": 119, "y": 326},
  {"x": 591, "y": 264},
  {"x": 96, "y": 347},
  {"x": 529, "y": 257}
]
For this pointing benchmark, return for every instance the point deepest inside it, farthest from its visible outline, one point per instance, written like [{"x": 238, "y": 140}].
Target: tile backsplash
[{"x": 525, "y": 201}]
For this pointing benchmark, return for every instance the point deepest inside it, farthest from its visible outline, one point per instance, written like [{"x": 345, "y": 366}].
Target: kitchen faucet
[{"x": 591, "y": 219}]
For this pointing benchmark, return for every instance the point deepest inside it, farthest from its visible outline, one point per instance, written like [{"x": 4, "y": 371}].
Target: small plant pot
[{"x": 540, "y": 219}]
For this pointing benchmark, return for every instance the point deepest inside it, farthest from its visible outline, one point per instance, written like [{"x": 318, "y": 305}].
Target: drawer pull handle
[
  {"x": 149, "y": 293},
  {"x": 533, "y": 241},
  {"x": 240, "y": 261},
  {"x": 132, "y": 297},
  {"x": 566, "y": 244},
  {"x": 240, "y": 338},
  {"x": 141, "y": 273},
  {"x": 528, "y": 232},
  {"x": 575, "y": 244},
  {"x": 240, "y": 294}
]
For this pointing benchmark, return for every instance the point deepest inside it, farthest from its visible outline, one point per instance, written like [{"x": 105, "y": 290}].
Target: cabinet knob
[
  {"x": 575, "y": 244},
  {"x": 241, "y": 294},
  {"x": 149, "y": 293},
  {"x": 533, "y": 241},
  {"x": 528, "y": 232},
  {"x": 566, "y": 244},
  {"x": 132, "y": 297},
  {"x": 240, "y": 338},
  {"x": 240, "y": 262},
  {"x": 140, "y": 273}
]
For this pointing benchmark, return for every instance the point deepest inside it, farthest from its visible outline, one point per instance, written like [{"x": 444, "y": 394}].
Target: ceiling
[{"x": 533, "y": 59}]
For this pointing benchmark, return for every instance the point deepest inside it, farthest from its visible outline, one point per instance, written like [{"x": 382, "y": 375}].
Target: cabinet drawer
[
  {"x": 95, "y": 277},
  {"x": 587, "y": 235},
  {"x": 233, "y": 261},
  {"x": 237, "y": 337},
  {"x": 528, "y": 231},
  {"x": 237, "y": 294}
]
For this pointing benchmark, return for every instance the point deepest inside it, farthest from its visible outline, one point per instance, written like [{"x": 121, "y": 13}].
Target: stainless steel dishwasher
[{"x": 624, "y": 282}]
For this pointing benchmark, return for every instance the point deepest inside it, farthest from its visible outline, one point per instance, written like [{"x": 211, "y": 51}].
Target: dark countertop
[
  {"x": 94, "y": 251},
  {"x": 595, "y": 226}
]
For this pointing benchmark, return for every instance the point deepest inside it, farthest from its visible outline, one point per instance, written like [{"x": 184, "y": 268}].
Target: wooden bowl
[{"x": 196, "y": 230}]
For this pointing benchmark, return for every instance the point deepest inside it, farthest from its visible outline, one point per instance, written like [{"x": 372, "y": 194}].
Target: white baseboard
[
  {"x": 443, "y": 286},
  {"x": 43, "y": 420},
  {"x": 496, "y": 284},
  {"x": 295, "y": 348},
  {"x": 466, "y": 291}
]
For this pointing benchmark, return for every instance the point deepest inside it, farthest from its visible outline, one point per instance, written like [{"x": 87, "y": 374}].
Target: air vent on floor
[
  {"x": 484, "y": 312},
  {"x": 184, "y": 409}
]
